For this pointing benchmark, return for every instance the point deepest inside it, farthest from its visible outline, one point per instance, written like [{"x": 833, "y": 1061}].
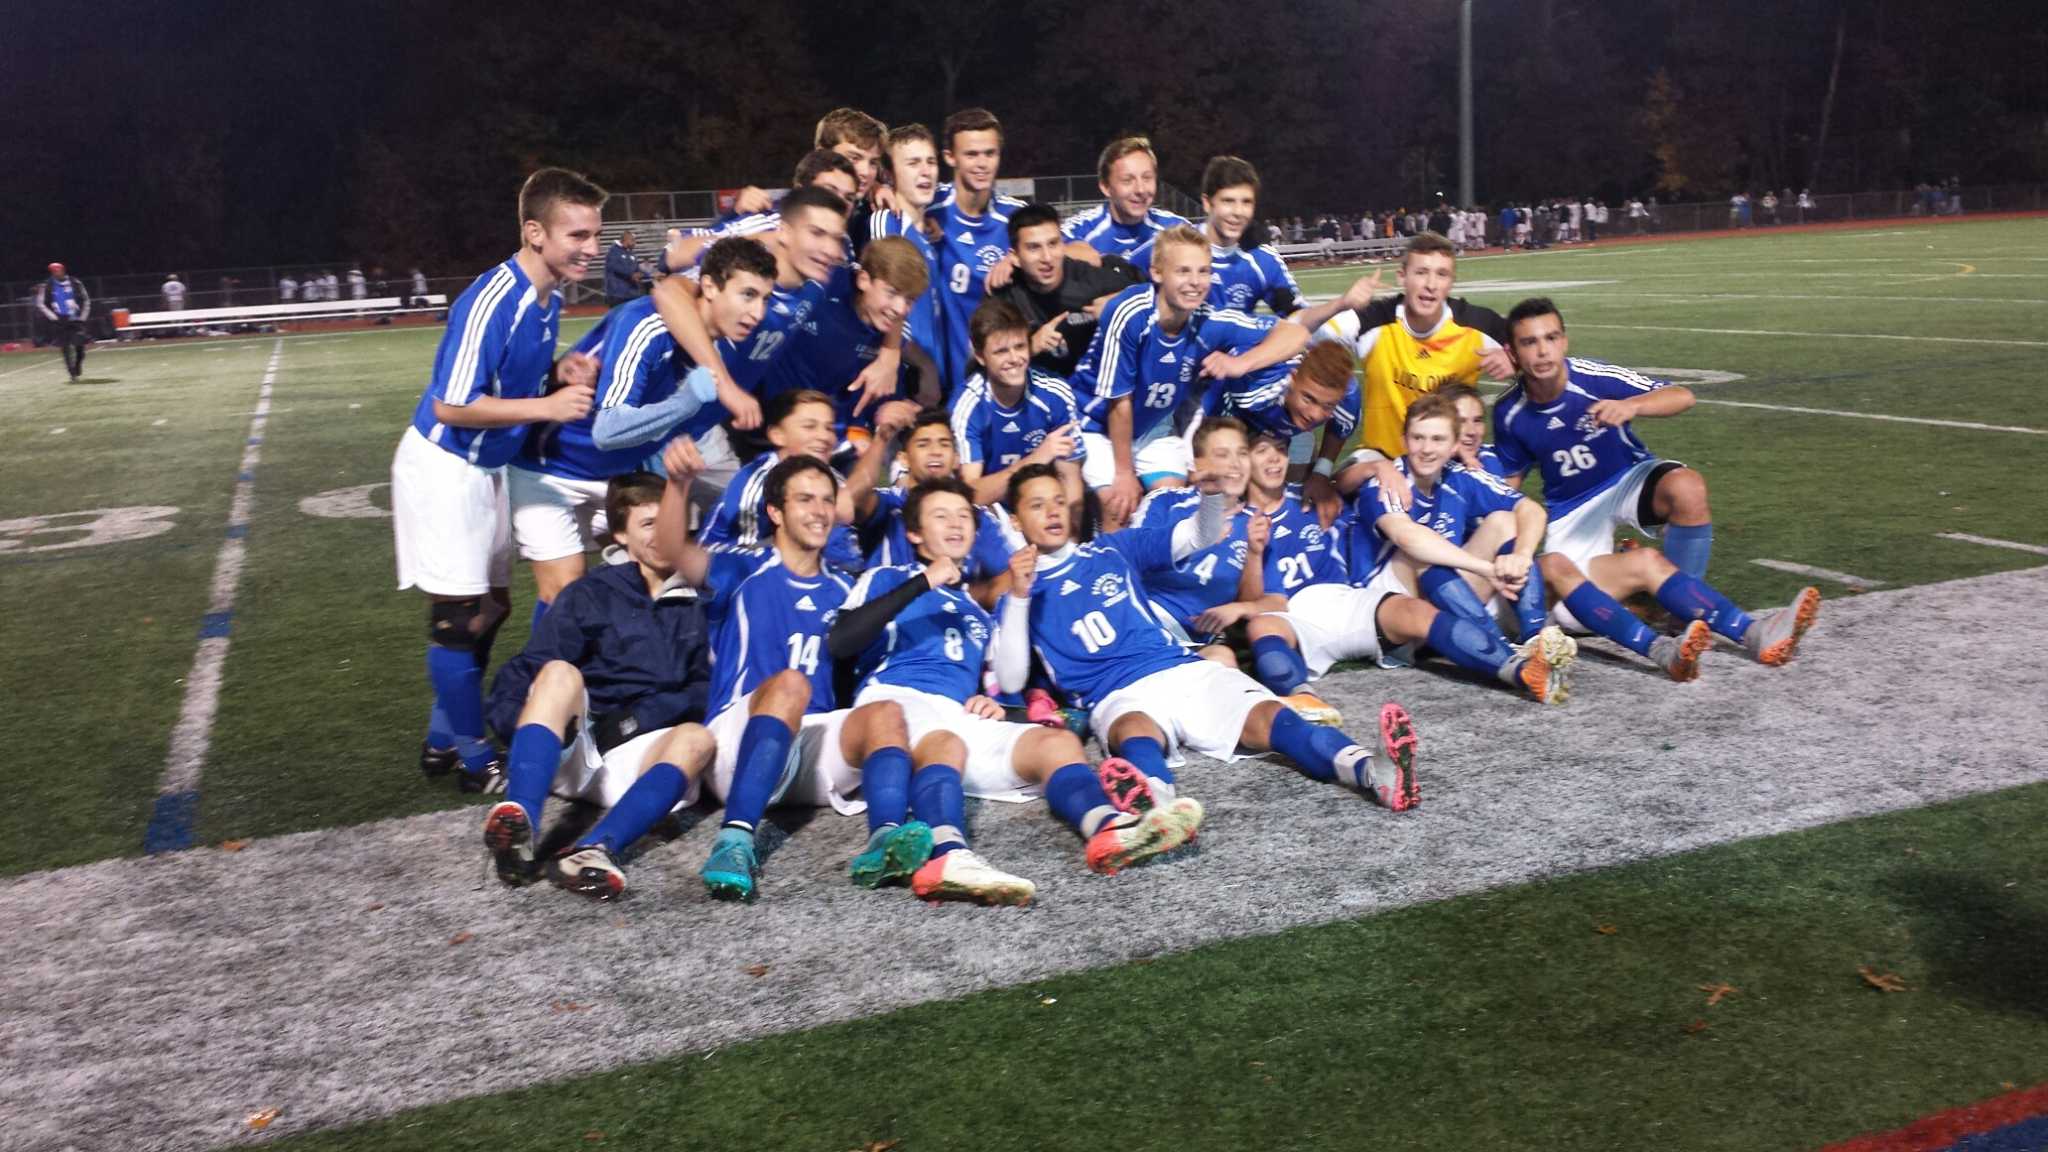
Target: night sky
[{"x": 206, "y": 134}]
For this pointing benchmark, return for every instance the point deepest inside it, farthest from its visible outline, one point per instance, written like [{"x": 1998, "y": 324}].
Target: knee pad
[{"x": 452, "y": 623}]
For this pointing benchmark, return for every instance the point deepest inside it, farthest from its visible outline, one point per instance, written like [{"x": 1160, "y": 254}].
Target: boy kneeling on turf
[{"x": 611, "y": 687}]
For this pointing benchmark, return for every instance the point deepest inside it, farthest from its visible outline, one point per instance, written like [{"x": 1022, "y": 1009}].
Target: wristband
[{"x": 1324, "y": 466}]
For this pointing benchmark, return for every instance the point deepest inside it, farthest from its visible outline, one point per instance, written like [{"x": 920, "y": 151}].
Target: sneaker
[
  {"x": 962, "y": 875},
  {"x": 729, "y": 872},
  {"x": 1679, "y": 655},
  {"x": 893, "y": 854},
  {"x": 1390, "y": 776},
  {"x": 438, "y": 761},
  {"x": 488, "y": 780},
  {"x": 1553, "y": 645},
  {"x": 1129, "y": 789},
  {"x": 588, "y": 871},
  {"x": 1312, "y": 708},
  {"x": 1775, "y": 637},
  {"x": 508, "y": 833},
  {"x": 1125, "y": 840}
]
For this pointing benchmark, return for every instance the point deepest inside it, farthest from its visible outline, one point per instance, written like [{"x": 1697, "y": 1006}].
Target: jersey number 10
[{"x": 1095, "y": 632}]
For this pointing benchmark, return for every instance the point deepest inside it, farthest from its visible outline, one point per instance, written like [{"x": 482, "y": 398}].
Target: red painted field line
[{"x": 1945, "y": 1128}]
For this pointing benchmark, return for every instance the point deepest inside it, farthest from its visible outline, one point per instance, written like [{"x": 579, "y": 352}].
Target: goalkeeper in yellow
[{"x": 1408, "y": 346}]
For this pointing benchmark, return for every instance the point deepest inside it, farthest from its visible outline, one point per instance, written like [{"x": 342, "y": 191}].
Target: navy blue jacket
[{"x": 649, "y": 658}]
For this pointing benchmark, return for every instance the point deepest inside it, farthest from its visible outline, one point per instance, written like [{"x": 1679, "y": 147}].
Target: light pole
[{"x": 1465, "y": 198}]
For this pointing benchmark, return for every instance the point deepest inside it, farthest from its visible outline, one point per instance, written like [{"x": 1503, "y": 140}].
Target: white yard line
[
  {"x": 176, "y": 811},
  {"x": 1818, "y": 335},
  {"x": 1930, "y": 422},
  {"x": 1829, "y": 574},
  {"x": 1989, "y": 542}
]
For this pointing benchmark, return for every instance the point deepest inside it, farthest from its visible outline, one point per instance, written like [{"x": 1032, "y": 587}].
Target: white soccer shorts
[
  {"x": 450, "y": 521},
  {"x": 603, "y": 777},
  {"x": 1335, "y": 622},
  {"x": 989, "y": 773},
  {"x": 1160, "y": 453},
  {"x": 1587, "y": 532},
  {"x": 817, "y": 775},
  {"x": 1200, "y": 705},
  {"x": 554, "y": 517}
]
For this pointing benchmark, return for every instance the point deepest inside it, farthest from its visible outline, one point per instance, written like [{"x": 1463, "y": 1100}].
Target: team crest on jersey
[
  {"x": 1238, "y": 551},
  {"x": 1588, "y": 427},
  {"x": 988, "y": 254},
  {"x": 1109, "y": 587}
]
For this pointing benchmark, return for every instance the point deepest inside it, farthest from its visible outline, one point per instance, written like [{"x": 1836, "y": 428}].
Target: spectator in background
[
  {"x": 65, "y": 307},
  {"x": 1770, "y": 207},
  {"x": 1589, "y": 221},
  {"x": 419, "y": 288},
  {"x": 174, "y": 293},
  {"x": 358, "y": 284},
  {"x": 330, "y": 286},
  {"x": 287, "y": 289},
  {"x": 622, "y": 277},
  {"x": 1805, "y": 204}
]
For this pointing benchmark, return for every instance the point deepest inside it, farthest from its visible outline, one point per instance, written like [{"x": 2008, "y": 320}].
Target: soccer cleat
[
  {"x": 1312, "y": 708},
  {"x": 730, "y": 870},
  {"x": 1125, "y": 841},
  {"x": 588, "y": 871},
  {"x": 893, "y": 854},
  {"x": 1679, "y": 655},
  {"x": 508, "y": 833},
  {"x": 1552, "y": 645},
  {"x": 1390, "y": 776},
  {"x": 1128, "y": 788},
  {"x": 438, "y": 761},
  {"x": 1775, "y": 637},
  {"x": 488, "y": 780},
  {"x": 1040, "y": 708},
  {"x": 1545, "y": 657},
  {"x": 962, "y": 875}
]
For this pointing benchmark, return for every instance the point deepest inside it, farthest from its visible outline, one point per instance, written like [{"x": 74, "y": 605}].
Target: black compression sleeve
[{"x": 856, "y": 628}]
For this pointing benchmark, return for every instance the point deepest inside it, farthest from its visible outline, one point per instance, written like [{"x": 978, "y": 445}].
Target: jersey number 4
[{"x": 1574, "y": 460}]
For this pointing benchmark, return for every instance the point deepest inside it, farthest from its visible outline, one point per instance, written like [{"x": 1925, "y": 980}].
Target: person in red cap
[{"x": 65, "y": 307}]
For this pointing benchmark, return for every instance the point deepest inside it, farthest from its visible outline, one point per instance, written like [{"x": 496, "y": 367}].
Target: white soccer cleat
[{"x": 962, "y": 875}]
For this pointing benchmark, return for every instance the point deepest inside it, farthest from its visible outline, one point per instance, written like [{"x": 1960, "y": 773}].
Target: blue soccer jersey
[
  {"x": 938, "y": 644},
  {"x": 1246, "y": 278},
  {"x": 995, "y": 437},
  {"x": 1260, "y": 400},
  {"x": 827, "y": 347},
  {"x": 889, "y": 542},
  {"x": 1578, "y": 458},
  {"x": 1099, "y": 228},
  {"x": 638, "y": 364},
  {"x": 1187, "y": 588},
  {"x": 1452, "y": 509},
  {"x": 1131, "y": 355},
  {"x": 1490, "y": 461},
  {"x": 970, "y": 247},
  {"x": 1089, "y": 626},
  {"x": 500, "y": 342},
  {"x": 926, "y": 324},
  {"x": 1298, "y": 549},
  {"x": 769, "y": 619},
  {"x": 740, "y": 518},
  {"x": 749, "y": 361}
]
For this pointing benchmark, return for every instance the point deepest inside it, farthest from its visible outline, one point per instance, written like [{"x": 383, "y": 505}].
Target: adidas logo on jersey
[
  {"x": 1280, "y": 532},
  {"x": 1554, "y": 424},
  {"x": 951, "y": 607},
  {"x": 965, "y": 238},
  {"x": 1169, "y": 358},
  {"x": 804, "y": 605},
  {"x": 1010, "y": 427},
  {"x": 1068, "y": 587}
]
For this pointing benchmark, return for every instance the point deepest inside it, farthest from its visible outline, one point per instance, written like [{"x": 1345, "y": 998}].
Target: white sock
[
  {"x": 1354, "y": 767},
  {"x": 1162, "y": 792}
]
